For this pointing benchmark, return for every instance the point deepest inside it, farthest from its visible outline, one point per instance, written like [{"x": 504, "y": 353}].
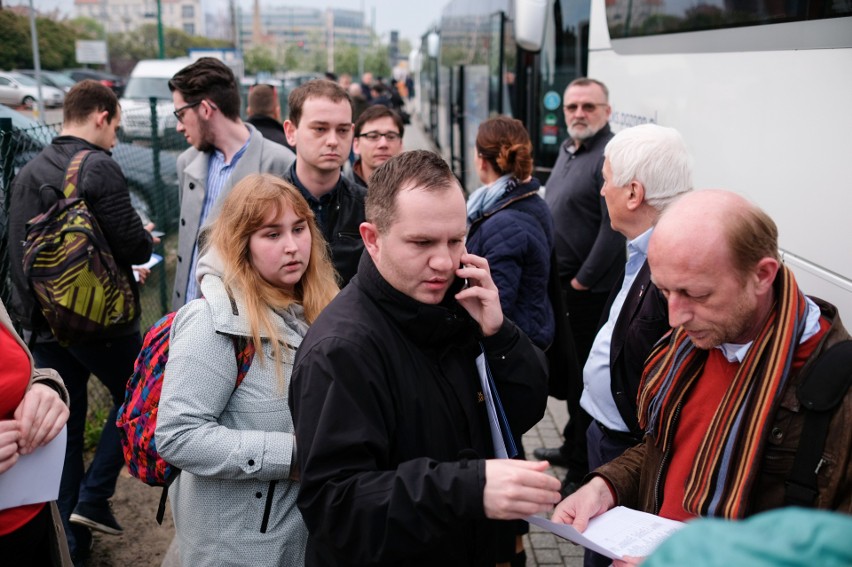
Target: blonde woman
[{"x": 264, "y": 278}]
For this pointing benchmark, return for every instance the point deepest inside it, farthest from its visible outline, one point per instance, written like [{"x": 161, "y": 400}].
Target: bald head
[
  {"x": 714, "y": 255},
  {"x": 720, "y": 219}
]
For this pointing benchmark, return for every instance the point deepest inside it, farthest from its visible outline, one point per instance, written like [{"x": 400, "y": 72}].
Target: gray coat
[
  {"x": 261, "y": 156},
  {"x": 230, "y": 444}
]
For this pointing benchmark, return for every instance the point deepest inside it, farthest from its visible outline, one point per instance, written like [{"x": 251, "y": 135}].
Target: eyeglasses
[
  {"x": 179, "y": 112},
  {"x": 374, "y": 136},
  {"x": 587, "y": 107}
]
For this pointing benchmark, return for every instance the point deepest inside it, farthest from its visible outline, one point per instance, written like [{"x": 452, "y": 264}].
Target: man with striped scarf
[{"x": 718, "y": 400}]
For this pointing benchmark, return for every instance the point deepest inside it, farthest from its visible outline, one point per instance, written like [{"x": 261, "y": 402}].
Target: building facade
[
  {"x": 309, "y": 28},
  {"x": 120, "y": 16}
]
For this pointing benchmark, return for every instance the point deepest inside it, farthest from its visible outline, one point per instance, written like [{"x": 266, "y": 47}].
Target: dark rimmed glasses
[
  {"x": 179, "y": 112},
  {"x": 374, "y": 136},
  {"x": 586, "y": 106}
]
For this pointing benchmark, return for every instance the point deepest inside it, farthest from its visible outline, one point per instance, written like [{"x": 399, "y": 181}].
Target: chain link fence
[{"x": 149, "y": 165}]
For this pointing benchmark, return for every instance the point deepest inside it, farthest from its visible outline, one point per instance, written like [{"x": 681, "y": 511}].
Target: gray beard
[{"x": 582, "y": 136}]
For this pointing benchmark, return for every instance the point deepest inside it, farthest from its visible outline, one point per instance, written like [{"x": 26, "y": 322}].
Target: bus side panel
[{"x": 772, "y": 125}]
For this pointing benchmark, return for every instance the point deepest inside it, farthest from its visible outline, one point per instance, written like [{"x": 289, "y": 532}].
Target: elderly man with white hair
[{"x": 645, "y": 168}]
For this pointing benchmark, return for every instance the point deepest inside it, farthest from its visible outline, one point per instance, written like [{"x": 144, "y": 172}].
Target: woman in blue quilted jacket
[{"x": 511, "y": 226}]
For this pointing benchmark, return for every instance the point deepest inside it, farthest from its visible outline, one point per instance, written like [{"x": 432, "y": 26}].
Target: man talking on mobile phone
[{"x": 391, "y": 420}]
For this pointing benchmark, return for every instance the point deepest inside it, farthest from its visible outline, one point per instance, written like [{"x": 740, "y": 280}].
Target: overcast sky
[{"x": 412, "y": 18}]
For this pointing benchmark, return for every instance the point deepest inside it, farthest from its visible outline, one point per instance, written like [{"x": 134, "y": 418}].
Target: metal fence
[{"x": 149, "y": 165}]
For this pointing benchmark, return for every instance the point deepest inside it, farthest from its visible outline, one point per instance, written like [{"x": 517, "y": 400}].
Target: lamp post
[
  {"x": 160, "y": 41},
  {"x": 39, "y": 108}
]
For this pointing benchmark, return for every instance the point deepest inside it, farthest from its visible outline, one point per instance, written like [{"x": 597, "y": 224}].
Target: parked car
[
  {"x": 114, "y": 82},
  {"x": 150, "y": 79},
  {"x": 51, "y": 78},
  {"x": 152, "y": 202},
  {"x": 19, "y": 90}
]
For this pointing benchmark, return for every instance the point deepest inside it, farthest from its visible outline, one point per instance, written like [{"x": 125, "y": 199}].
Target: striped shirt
[{"x": 218, "y": 172}]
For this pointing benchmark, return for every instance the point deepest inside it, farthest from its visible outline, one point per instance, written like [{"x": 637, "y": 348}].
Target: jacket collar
[
  {"x": 229, "y": 313},
  {"x": 603, "y": 135},
  {"x": 427, "y": 325},
  {"x": 74, "y": 142},
  {"x": 517, "y": 193}
]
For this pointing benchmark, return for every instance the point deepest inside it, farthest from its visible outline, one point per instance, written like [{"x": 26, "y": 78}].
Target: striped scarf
[{"x": 728, "y": 458}]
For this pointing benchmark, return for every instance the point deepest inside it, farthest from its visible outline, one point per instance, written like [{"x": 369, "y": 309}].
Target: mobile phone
[
  {"x": 157, "y": 233},
  {"x": 466, "y": 283}
]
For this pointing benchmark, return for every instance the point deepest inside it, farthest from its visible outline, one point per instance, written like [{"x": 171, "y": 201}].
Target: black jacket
[
  {"x": 643, "y": 320},
  {"x": 103, "y": 186},
  {"x": 587, "y": 247},
  {"x": 341, "y": 229},
  {"x": 271, "y": 129},
  {"x": 392, "y": 431}
]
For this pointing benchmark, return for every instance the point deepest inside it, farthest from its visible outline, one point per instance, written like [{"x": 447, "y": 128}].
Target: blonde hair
[{"x": 243, "y": 212}]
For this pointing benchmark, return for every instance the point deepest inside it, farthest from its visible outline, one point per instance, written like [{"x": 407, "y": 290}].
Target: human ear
[
  {"x": 637, "y": 195},
  {"x": 765, "y": 272},
  {"x": 290, "y": 132},
  {"x": 370, "y": 236}
]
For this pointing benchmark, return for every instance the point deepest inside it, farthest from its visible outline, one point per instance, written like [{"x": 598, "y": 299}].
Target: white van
[{"x": 150, "y": 78}]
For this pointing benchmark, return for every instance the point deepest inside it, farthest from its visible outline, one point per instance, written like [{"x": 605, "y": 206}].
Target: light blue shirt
[
  {"x": 218, "y": 172},
  {"x": 736, "y": 353},
  {"x": 597, "y": 393}
]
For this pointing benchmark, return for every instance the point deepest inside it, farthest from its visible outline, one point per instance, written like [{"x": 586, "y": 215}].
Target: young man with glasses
[
  {"x": 378, "y": 137},
  {"x": 320, "y": 128},
  {"x": 224, "y": 149},
  {"x": 589, "y": 253}
]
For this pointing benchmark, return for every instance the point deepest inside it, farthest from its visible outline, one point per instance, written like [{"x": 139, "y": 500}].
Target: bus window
[
  {"x": 631, "y": 18},
  {"x": 563, "y": 58}
]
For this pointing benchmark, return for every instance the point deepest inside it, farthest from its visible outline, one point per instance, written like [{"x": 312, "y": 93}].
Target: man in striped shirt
[{"x": 224, "y": 149}]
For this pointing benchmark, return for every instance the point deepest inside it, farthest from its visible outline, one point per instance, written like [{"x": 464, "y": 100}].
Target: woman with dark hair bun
[{"x": 511, "y": 226}]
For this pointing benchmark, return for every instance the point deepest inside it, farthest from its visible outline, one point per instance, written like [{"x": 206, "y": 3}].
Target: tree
[
  {"x": 14, "y": 40},
  {"x": 376, "y": 61},
  {"x": 346, "y": 59},
  {"x": 260, "y": 59},
  {"x": 55, "y": 42},
  {"x": 125, "y": 49}
]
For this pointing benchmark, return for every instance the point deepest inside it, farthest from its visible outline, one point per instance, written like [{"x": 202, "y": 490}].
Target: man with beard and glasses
[
  {"x": 224, "y": 149},
  {"x": 589, "y": 253}
]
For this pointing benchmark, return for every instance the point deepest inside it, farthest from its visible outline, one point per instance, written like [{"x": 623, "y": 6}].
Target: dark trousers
[
  {"x": 603, "y": 448},
  {"x": 111, "y": 361},
  {"x": 584, "y": 310}
]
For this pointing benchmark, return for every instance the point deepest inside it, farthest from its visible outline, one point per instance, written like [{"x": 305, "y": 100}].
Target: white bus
[{"x": 762, "y": 92}]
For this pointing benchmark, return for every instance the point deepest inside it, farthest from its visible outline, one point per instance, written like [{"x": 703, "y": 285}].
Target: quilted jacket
[{"x": 516, "y": 236}]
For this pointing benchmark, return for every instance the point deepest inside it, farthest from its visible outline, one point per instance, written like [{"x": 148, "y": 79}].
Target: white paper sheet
[
  {"x": 617, "y": 533},
  {"x": 152, "y": 261},
  {"x": 35, "y": 477},
  {"x": 496, "y": 435}
]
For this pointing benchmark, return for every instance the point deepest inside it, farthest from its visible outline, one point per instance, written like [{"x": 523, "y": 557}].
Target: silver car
[{"x": 19, "y": 90}]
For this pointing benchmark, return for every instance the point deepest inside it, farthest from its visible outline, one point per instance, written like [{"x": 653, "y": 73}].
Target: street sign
[{"x": 91, "y": 51}]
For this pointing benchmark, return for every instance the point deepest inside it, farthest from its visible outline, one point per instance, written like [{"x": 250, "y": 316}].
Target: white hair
[{"x": 656, "y": 157}]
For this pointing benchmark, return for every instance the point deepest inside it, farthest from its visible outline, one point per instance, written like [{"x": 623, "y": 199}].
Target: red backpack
[{"x": 137, "y": 417}]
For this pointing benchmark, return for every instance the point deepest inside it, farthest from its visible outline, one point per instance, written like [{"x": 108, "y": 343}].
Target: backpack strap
[
  {"x": 821, "y": 390},
  {"x": 72, "y": 174},
  {"x": 244, "y": 351}
]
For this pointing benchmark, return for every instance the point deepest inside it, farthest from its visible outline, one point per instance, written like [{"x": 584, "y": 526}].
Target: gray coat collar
[{"x": 229, "y": 311}]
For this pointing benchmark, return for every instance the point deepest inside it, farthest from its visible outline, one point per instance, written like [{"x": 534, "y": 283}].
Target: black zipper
[
  {"x": 664, "y": 462},
  {"x": 268, "y": 508}
]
